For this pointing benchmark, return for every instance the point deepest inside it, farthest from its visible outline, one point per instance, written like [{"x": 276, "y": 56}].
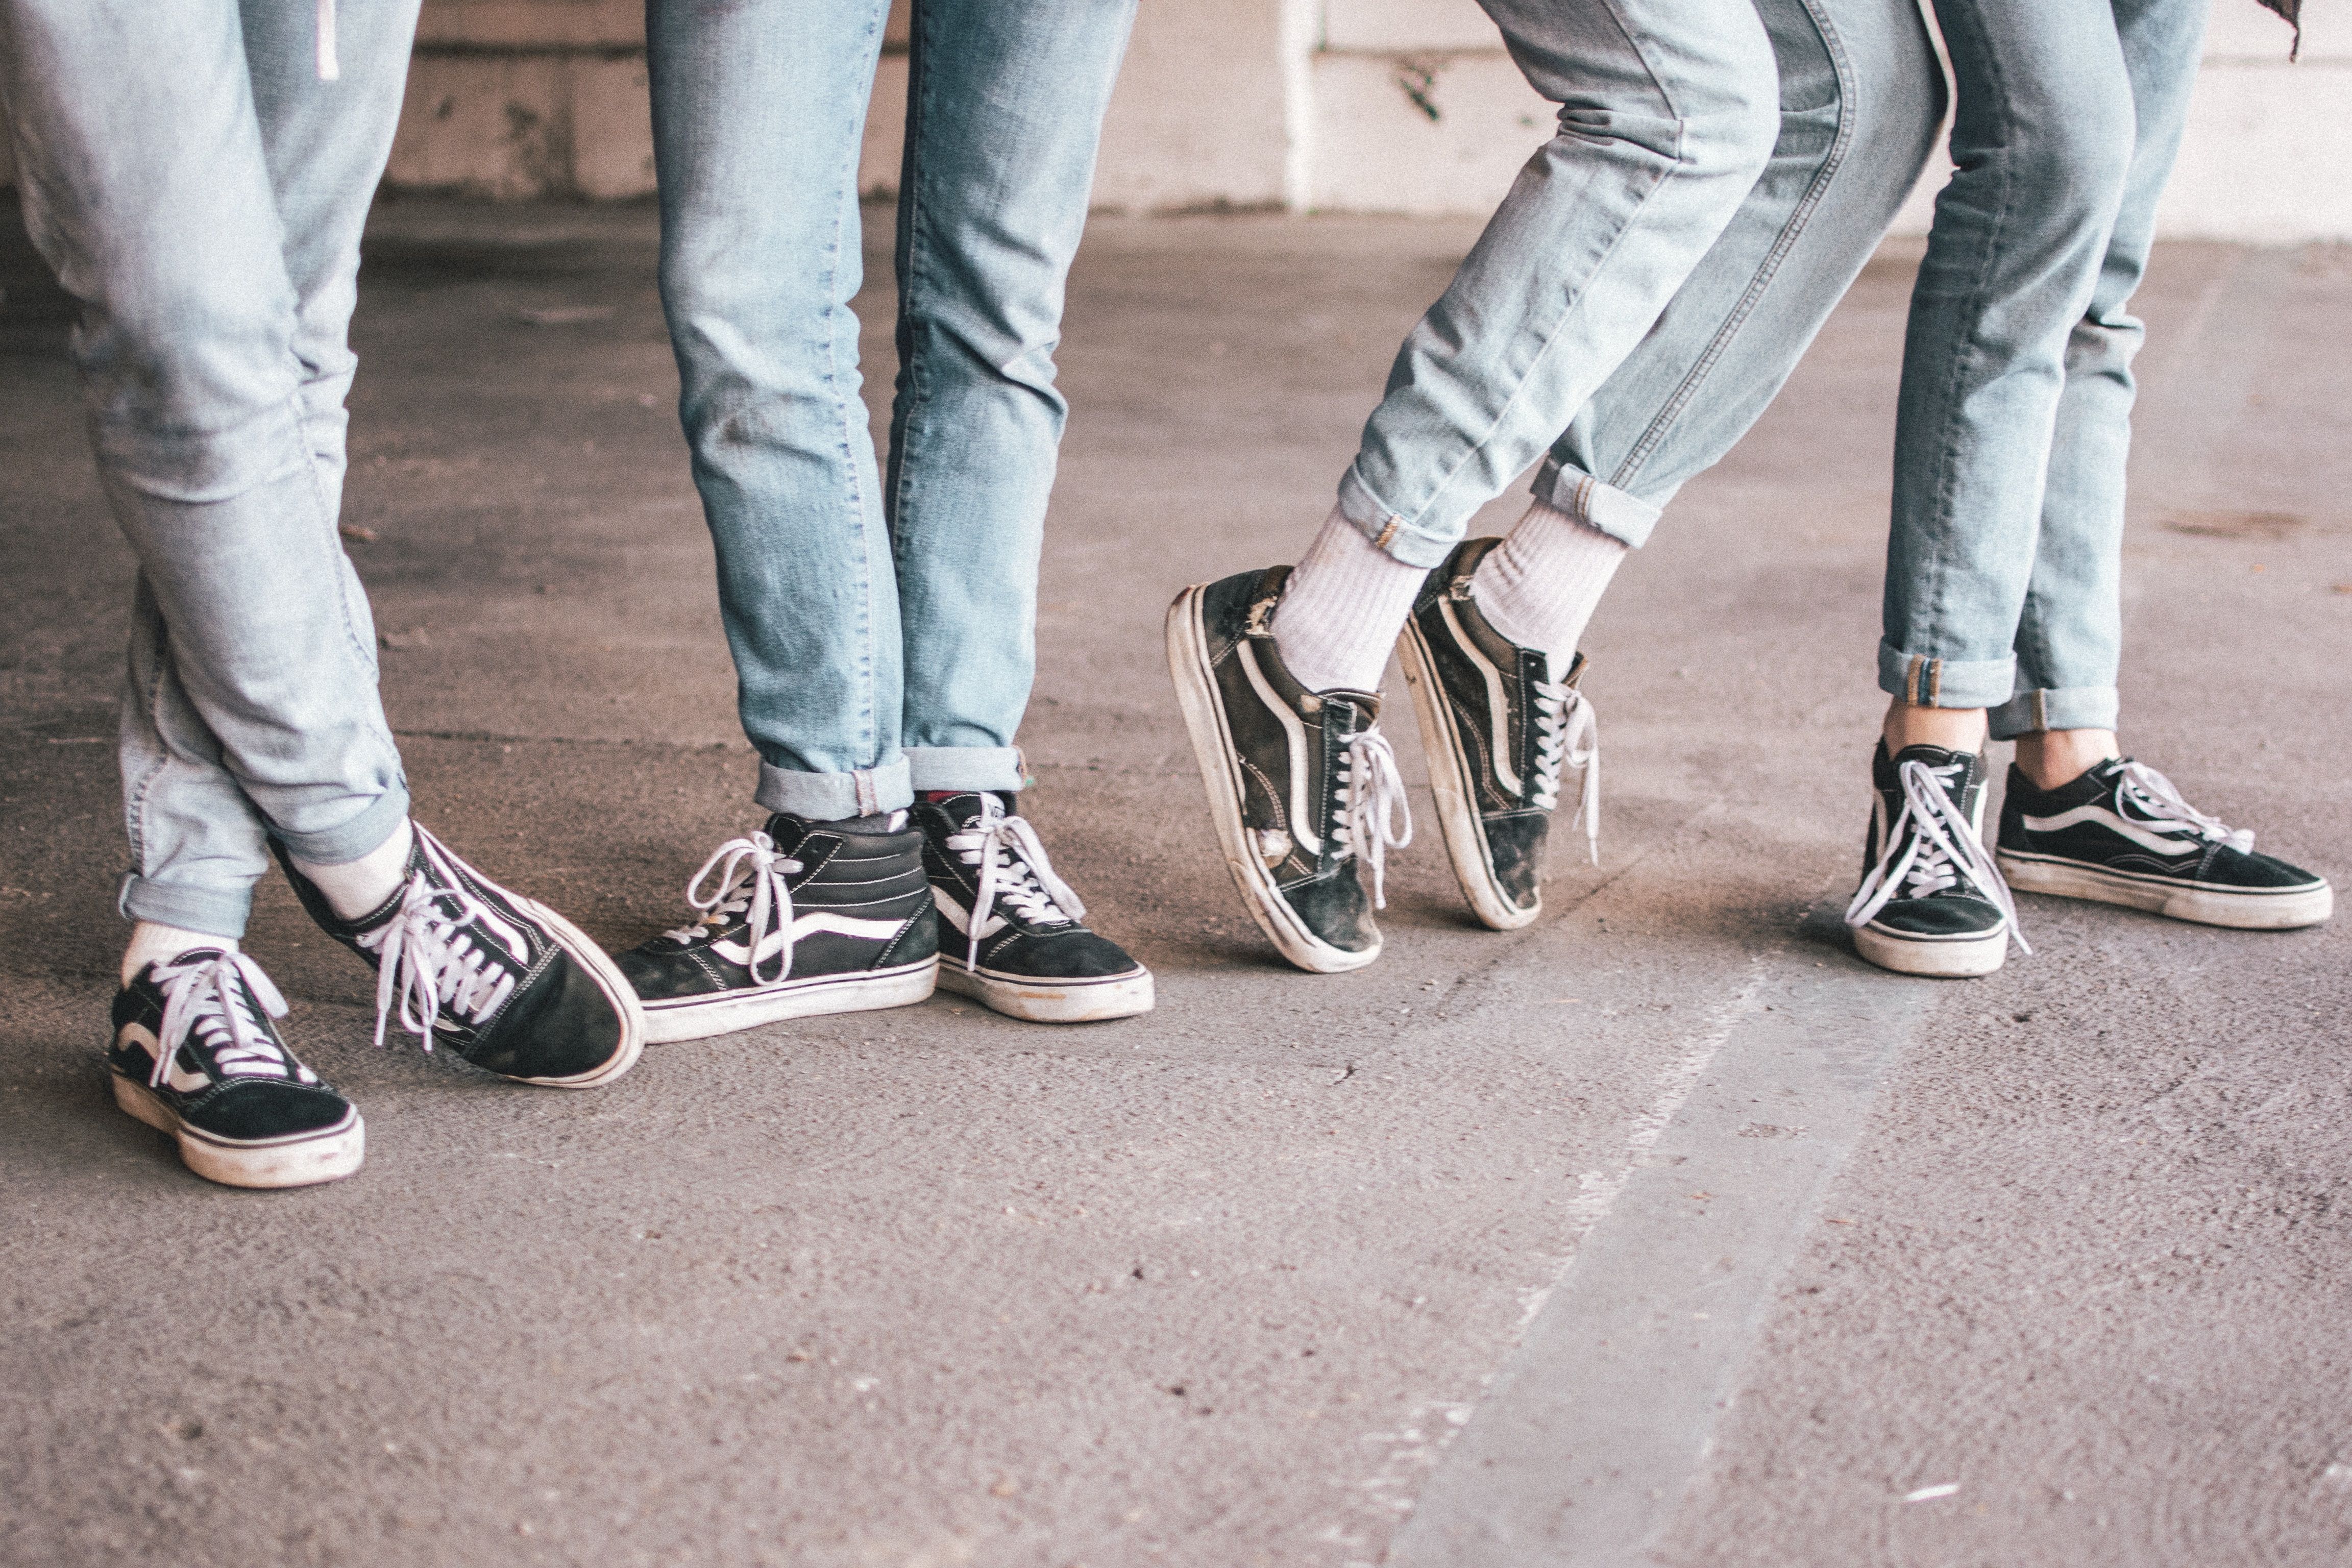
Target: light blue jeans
[
  {"x": 200, "y": 192},
  {"x": 883, "y": 625},
  {"x": 2004, "y": 564},
  {"x": 1724, "y": 170}
]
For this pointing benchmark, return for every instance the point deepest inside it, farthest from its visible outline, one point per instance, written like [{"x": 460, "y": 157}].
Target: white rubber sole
[
  {"x": 1456, "y": 791},
  {"x": 1948, "y": 960},
  {"x": 700, "y": 1017},
  {"x": 1212, "y": 748},
  {"x": 610, "y": 981},
  {"x": 304, "y": 1160},
  {"x": 2281, "y": 910},
  {"x": 1074, "y": 1001}
]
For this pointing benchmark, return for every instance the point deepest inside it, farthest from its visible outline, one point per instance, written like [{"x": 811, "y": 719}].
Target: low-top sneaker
[
  {"x": 1498, "y": 728},
  {"x": 2121, "y": 833},
  {"x": 1303, "y": 786},
  {"x": 1931, "y": 900},
  {"x": 802, "y": 919},
  {"x": 503, "y": 980},
  {"x": 1010, "y": 934},
  {"x": 196, "y": 1053}
]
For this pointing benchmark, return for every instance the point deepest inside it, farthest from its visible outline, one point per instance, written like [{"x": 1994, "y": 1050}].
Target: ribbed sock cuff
[
  {"x": 1540, "y": 586},
  {"x": 1342, "y": 609}
]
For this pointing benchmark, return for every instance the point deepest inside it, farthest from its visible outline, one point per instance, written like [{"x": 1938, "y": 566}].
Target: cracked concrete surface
[{"x": 1213, "y": 1287}]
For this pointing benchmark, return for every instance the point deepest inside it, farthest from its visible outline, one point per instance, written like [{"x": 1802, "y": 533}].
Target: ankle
[
  {"x": 2052, "y": 759},
  {"x": 151, "y": 942},
  {"x": 1952, "y": 729},
  {"x": 1341, "y": 611}
]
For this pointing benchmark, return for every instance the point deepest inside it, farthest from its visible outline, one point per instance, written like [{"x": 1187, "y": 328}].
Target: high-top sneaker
[
  {"x": 2121, "y": 833},
  {"x": 196, "y": 1055},
  {"x": 1497, "y": 730},
  {"x": 1010, "y": 934},
  {"x": 1931, "y": 900},
  {"x": 1302, "y": 785},
  {"x": 502, "y": 979},
  {"x": 802, "y": 919}
]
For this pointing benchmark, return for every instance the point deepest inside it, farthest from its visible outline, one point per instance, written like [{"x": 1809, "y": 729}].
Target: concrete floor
[{"x": 1245, "y": 1280}]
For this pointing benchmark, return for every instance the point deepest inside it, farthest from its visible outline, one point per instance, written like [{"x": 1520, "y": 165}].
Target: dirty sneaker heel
[
  {"x": 1302, "y": 785},
  {"x": 800, "y": 920},
  {"x": 1011, "y": 936},
  {"x": 1497, "y": 730},
  {"x": 2121, "y": 833},
  {"x": 196, "y": 1055},
  {"x": 505, "y": 982},
  {"x": 1931, "y": 900}
]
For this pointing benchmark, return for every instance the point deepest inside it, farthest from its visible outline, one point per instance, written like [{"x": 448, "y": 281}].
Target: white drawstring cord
[{"x": 329, "y": 69}]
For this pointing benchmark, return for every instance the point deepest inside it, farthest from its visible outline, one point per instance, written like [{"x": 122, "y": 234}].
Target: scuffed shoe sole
[
  {"x": 727, "y": 1013},
  {"x": 303, "y": 1160},
  {"x": 1049, "y": 1002},
  {"x": 1953, "y": 958}
]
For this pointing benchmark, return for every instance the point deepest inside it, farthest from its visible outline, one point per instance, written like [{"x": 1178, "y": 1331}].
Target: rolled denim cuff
[
  {"x": 1620, "y": 515},
  {"x": 214, "y": 911},
  {"x": 1923, "y": 680},
  {"x": 2058, "y": 708},
  {"x": 834, "y": 797},
  {"x": 966, "y": 767},
  {"x": 362, "y": 836},
  {"x": 1401, "y": 540}
]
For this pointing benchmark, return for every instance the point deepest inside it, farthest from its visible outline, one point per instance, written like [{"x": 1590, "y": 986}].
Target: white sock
[
  {"x": 1540, "y": 586},
  {"x": 1342, "y": 609},
  {"x": 151, "y": 943},
  {"x": 356, "y": 887}
]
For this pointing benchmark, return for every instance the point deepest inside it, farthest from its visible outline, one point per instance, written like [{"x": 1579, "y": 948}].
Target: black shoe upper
[
  {"x": 1001, "y": 907},
  {"x": 1514, "y": 725},
  {"x": 2125, "y": 817},
  {"x": 798, "y": 900},
  {"x": 229, "y": 1073},
  {"x": 469, "y": 964},
  {"x": 1311, "y": 764},
  {"x": 1924, "y": 871}
]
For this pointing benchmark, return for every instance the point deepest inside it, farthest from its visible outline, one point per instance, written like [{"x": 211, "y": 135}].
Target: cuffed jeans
[
  {"x": 2003, "y": 566},
  {"x": 883, "y": 625},
  {"x": 1723, "y": 171},
  {"x": 201, "y": 194}
]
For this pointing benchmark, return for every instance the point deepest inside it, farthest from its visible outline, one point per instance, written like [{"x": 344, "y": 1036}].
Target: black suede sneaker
[
  {"x": 195, "y": 1054},
  {"x": 804, "y": 919},
  {"x": 2121, "y": 833},
  {"x": 1302, "y": 785},
  {"x": 504, "y": 981},
  {"x": 1009, "y": 928},
  {"x": 1497, "y": 730},
  {"x": 1931, "y": 900}
]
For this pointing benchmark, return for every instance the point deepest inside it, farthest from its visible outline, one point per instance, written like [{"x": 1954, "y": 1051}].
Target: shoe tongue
[{"x": 961, "y": 806}]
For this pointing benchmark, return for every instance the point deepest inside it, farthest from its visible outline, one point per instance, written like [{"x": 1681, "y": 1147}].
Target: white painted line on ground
[{"x": 1585, "y": 1444}]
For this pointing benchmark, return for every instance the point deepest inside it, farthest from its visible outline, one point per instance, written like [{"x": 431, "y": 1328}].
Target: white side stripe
[
  {"x": 802, "y": 925},
  {"x": 1497, "y": 709},
  {"x": 1302, "y": 822},
  {"x": 2163, "y": 839}
]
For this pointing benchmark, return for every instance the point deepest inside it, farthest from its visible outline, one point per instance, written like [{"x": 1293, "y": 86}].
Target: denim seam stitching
[{"x": 1816, "y": 192}]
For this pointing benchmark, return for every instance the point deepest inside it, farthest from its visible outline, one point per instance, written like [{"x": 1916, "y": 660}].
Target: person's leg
[
  {"x": 1860, "y": 103},
  {"x": 1004, "y": 111},
  {"x": 758, "y": 115},
  {"x": 2078, "y": 820},
  {"x": 757, "y": 118},
  {"x": 1667, "y": 118},
  {"x": 2042, "y": 137},
  {"x": 1666, "y": 122},
  {"x": 253, "y": 709}
]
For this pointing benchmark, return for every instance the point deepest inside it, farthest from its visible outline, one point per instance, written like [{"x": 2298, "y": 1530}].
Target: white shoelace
[
  {"x": 204, "y": 997},
  {"x": 1023, "y": 878},
  {"x": 2160, "y": 798},
  {"x": 752, "y": 873},
  {"x": 432, "y": 961},
  {"x": 1938, "y": 847},
  {"x": 1567, "y": 735},
  {"x": 1372, "y": 796}
]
